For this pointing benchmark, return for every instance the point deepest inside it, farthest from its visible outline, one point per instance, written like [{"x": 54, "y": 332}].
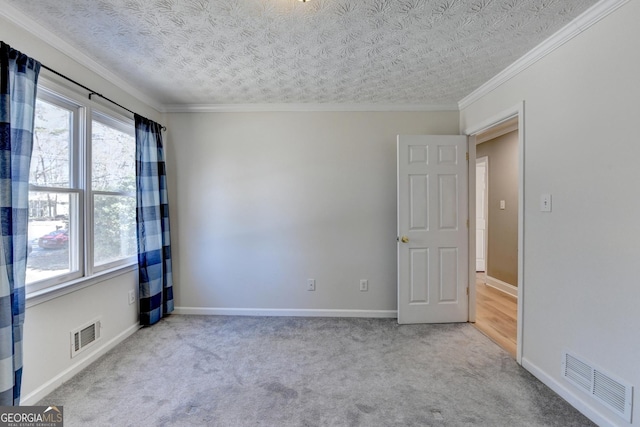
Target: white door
[
  {"x": 432, "y": 229},
  {"x": 481, "y": 213}
]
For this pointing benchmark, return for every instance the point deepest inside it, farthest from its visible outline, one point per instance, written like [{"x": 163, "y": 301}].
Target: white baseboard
[
  {"x": 213, "y": 311},
  {"x": 502, "y": 286},
  {"x": 573, "y": 398},
  {"x": 42, "y": 391}
]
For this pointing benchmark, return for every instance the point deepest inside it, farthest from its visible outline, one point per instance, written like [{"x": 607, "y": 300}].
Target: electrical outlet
[
  {"x": 364, "y": 285},
  {"x": 132, "y": 297},
  {"x": 311, "y": 284}
]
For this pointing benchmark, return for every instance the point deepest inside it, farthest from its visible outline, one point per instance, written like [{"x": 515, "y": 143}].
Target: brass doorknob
[{"x": 404, "y": 239}]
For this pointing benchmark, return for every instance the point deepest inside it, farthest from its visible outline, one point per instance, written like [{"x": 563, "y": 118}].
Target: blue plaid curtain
[
  {"x": 154, "y": 245},
  {"x": 18, "y": 85}
]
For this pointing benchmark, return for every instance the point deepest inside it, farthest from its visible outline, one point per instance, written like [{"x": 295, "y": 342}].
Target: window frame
[
  {"x": 121, "y": 125},
  {"x": 84, "y": 112}
]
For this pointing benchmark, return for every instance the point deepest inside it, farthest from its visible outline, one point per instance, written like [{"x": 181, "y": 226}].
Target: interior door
[
  {"x": 481, "y": 213},
  {"x": 432, "y": 229}
]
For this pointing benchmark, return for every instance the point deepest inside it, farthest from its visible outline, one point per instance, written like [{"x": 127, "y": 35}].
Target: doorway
[
  {"x": 497, "y": 233},
  {"x": 496, "y": 300}
]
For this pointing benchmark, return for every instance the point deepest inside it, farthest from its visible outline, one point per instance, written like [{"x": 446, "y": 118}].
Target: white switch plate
[
  {"x": 545, "y": 203},
  {"x": 132, "y": 297},
  {"x": 311, "y": 284},
  {"x": 502, "y": 204},
  {"x": 364, "y": 285}
]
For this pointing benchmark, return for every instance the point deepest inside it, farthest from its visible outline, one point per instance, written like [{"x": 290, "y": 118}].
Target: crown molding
[
  {"x": 251, "y": 108},
  {"x": 589, "y": 17},
  {"x": 23, "y": 21}
]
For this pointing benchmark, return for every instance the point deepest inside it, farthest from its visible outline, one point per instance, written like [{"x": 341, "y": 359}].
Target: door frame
[
  {"x": 485, "y": 160},
  {"x": 471, "y": 131}
]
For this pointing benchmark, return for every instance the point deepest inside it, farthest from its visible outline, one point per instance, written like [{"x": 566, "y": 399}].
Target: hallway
[{"x": 497, "y": 314}]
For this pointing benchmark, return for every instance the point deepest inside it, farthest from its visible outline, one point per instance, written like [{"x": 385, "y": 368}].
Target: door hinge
[
  {"x": 467, "y": 156},
  {"x": 467, "y": 290},
  {"x": 467, "y": 223}
]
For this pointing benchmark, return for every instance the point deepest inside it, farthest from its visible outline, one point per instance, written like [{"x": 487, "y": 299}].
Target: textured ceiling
[{"x": 423, "y": 52}]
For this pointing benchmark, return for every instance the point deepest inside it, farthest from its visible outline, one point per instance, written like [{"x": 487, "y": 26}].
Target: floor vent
[
  {"x": 84, "y": 337},
  {"x": 611, "y": 392}
]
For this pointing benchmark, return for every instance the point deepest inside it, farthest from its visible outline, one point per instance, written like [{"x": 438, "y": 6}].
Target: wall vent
[
  {"x": 613, "y": 393},
  {"x": 84, "y": 337}
]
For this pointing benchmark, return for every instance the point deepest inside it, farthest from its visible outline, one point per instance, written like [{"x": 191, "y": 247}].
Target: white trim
[
  {"x": 56, "y": 291},
  {"x": 23, "y": 21},
  {"x": 501, "y": 286},
  {"x": 589, "y": 17},
  {"x": 246, "y": 108},
  {"x": 472, "y": 130},
  {"x": 482, "y": 160},
  {"x": 574, "y": 400},
  {"x": 471, "y": 217},
  {"x": 285, "y": 312},
  {"x": 46, "y": 388},
  {"x": 497, "y": 131},
  {"x": 494, "y": 120}
]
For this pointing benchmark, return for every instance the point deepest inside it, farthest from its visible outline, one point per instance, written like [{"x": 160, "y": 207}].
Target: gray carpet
[{"x": 270, "y": 371}]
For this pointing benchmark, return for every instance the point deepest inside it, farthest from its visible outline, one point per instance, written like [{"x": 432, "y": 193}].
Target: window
[
  {"x": 82, "y": 204},
  {"x": 113, "y": 187}
]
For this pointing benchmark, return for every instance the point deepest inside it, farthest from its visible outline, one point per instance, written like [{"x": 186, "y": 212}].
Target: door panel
[
  {"x": 432, "y": 217},
  {"x": 419, "y": 278},
  {"x": 419, "y": 202},
  {"x": 449, "y": 275},
  {"x": 448, "y": 197}
]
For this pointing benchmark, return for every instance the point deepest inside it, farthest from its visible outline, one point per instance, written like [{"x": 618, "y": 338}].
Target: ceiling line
[{"x": 304, "y": 107}]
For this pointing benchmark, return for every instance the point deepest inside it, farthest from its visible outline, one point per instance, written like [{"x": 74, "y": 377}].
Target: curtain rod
[{"x": 91, "y": 91}]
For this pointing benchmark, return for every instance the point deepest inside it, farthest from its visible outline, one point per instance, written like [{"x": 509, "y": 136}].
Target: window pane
[
  {"x": 114, "y": 228},
  {"x": 113, "y": 155},
  {"x": 51, "y": 145},
  {"x": 52, "y": 235}
]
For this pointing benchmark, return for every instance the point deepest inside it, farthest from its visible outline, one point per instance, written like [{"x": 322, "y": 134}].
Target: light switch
[
  {"x": 502, "y": 204},
  {"x": 545, "y": 203}
]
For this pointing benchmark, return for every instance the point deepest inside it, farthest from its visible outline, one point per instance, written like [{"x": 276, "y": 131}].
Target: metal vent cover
[
  {"x": 84, "y": 336},
  {"x": 578, "y": 372},
  {"x": 611, "y": 392}
]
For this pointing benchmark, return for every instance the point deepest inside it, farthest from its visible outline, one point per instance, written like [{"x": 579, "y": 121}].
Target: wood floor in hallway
[{"x": 496, "y": 315}]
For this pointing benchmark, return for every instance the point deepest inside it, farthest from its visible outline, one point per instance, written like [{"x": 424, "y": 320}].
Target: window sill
[{"x": 56, "y": 291}]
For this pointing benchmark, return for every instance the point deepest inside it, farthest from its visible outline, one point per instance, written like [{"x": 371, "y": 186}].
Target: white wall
[
  {"x": 47, "y": 327},
  {"x": 47, "y": 355},
  {"x": 264, "y": 201},
  {"x": 581, "y": 285}
]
